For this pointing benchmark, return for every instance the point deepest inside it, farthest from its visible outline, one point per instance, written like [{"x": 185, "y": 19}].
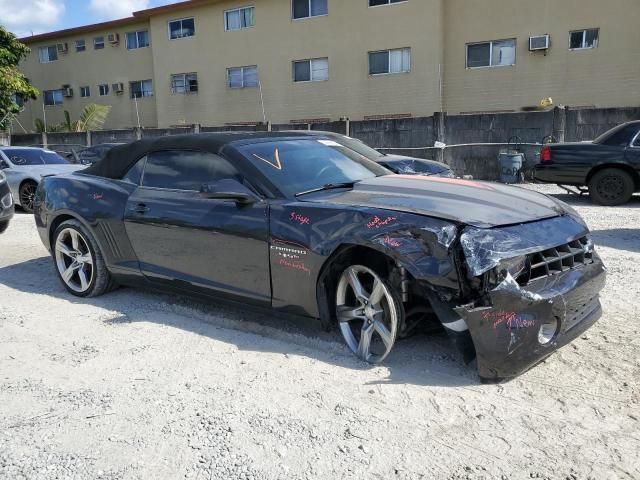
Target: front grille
[{"x": 557, "y": 260}]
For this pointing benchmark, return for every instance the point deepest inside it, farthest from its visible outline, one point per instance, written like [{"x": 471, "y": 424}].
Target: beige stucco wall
[
  {"x": 435, "y": 30},
  {"x": 110, "y": 65},
  {"x": 606, "y": 76},
  {"x": 345, "y": 36}
]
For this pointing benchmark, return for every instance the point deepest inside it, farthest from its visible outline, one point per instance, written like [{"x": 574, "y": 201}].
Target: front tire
[
  {"x": 369, "y": 313},
  {"x": 79, "y": 263},
  {"x": 4, "y": 226},
  {"x": 611, "y": 187},
  {"x": 28, "y": 195}
]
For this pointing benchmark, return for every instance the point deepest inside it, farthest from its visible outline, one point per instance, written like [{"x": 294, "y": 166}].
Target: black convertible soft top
[{"x": 119, "y": 159}]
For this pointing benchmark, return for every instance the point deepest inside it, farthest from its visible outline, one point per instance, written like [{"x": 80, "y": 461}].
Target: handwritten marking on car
[
  {"x": 512, "y": 320},
  {"x": 299, "y": 218},
  {"x": 294, "y": 265},
  {"x": 376, "y": 222},
  {"x": 391, "y": 242}
]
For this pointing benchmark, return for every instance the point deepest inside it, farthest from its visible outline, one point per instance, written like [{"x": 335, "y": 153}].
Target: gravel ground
[{"x": 139, "y": 385}]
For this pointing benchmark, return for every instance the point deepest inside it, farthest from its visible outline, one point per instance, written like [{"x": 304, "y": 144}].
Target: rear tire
[
  {"x": 79, "y": 262},
  {"x": 4, "y": 226},
  {"x": 28, "y": 195},
  {"x": 611, "y": 187}
]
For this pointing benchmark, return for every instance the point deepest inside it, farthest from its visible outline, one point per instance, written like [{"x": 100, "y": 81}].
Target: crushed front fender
[{"x": 506, "y": 329}]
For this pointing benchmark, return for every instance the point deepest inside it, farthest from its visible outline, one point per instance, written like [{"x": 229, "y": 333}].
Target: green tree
[
  {"x": 92, "y": 118},
  {"x": 12, "y": 82}
]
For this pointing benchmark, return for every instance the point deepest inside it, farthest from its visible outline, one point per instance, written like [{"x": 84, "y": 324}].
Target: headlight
[{"x": 514, "y": 266}]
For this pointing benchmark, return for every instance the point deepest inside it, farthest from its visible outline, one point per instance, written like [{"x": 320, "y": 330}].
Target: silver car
[{"x": 24, "y": 167}]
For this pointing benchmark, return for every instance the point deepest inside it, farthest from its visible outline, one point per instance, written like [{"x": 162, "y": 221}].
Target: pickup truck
[{"x": 609, "y": 166}]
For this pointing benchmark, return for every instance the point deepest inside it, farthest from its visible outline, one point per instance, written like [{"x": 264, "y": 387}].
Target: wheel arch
[
  {"x": 619, "y": 166},
  {"x": 342, "y": 256},
  {"x": 63, "y": 217}
]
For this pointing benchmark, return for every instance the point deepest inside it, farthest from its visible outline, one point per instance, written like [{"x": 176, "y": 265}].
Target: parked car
[
  {"x": 307, "y": 226},
  {"x": 6, "y": 203},
  {"x": 396, "y": 163},
  {"x": 65, "y": 150},
  {"x": 609, "y": 166},
  {"x": 24, "y": 168},
  {"x": 90, "y": 155}
]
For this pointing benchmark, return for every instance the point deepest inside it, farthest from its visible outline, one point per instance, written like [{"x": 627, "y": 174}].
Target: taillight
[{"x": 545, "y": 155}]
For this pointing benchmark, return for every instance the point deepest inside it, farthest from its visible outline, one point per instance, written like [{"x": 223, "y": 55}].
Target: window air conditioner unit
[
  {"x": 67, "y": 92},
  {"x": 118, "y": 87},
  {"x": 113, "y": 38},
  {"x": 539, "y": 42},
  {"x": 62, "y": 47}
]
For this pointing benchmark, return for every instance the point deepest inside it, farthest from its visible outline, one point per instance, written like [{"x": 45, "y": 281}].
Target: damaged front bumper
[{"x": 523, "y": 325}]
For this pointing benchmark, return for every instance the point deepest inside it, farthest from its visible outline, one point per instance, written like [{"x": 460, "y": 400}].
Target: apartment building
[{"x": 217, "y": 62}]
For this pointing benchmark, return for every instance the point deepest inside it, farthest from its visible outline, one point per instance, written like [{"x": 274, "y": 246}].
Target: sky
[{"x": 24, "y": 17}]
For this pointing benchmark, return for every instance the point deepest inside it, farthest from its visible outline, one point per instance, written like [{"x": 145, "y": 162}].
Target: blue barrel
[{"x": 510, "y": 166}]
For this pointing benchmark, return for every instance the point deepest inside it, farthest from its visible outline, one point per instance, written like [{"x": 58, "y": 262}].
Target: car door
[{"x": 186, "y": 240}]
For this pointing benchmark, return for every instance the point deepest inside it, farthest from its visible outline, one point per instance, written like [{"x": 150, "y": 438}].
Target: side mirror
[
  {"x": 228, "y": 189},
  {"x": 3, "y": 164}
]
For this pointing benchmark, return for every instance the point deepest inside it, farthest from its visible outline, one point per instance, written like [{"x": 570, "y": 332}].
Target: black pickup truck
[{"x": 609, "y": 166}]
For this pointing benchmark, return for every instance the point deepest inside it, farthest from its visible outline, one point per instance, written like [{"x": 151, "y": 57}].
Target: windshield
[
  {"x": 34, "y": 156},
  {"x": 359, "y": 147},
  {"x": 295, "y": 166}
]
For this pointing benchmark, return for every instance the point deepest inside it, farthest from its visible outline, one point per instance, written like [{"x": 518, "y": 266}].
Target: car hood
[
  {"x": 40, "y": 170},
  {"x": 480, "y": 204}
]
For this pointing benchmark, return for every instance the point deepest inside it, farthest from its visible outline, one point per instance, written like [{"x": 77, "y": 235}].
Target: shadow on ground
[
  {"x": 420, "y": 360},
  {"x": 619, "y": 238}
]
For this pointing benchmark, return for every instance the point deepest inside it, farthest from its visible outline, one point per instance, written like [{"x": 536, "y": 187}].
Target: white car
[{"x": 24, "y": 167}]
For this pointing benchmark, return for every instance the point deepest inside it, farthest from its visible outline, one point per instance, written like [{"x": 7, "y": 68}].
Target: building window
[
  {"x": 499, "y": 53},
  {"x": 390, "y": 61},
  {"x": 137, "y": 39},
  {"x": 184, "y": 83},
  {"x": 238, "y": 18},
  {"x": 185, "y": 27},
  {"x": 85, "y": 92},
  {"x": 80, "y": 46},
  {"x": 243, "y": 77},
  {"x": 314, "y": 70},
  {"x": 98, "y": 43},
  {"x": 141, "y": 88},
  {"x": 583, "y": 39},
  {"x": 103, "y": 89},
  {"x": 309, "y": 8},
  {"x": 375, "y": 3},
  {"x": 18, "y": 99},
  {"x": 53, "y": 97},
  {"x": 48, "y": 54}
]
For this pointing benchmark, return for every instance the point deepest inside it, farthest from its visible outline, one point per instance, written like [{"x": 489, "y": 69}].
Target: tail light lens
[{"x": 545, "y": 155}]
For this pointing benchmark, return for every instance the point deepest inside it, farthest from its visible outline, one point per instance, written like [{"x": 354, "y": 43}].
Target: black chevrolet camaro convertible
[{"x": 307, "y": 226}]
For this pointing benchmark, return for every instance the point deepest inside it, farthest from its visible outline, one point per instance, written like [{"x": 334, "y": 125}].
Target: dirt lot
[{"x": 140, "y": 385}]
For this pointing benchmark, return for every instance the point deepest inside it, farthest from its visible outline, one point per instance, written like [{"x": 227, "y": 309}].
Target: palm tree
[{"x": 92, "y": 117}]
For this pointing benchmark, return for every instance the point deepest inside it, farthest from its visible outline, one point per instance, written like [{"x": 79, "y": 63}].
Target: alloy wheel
[
  {"x": 74, "y": 260},
  {"x": 27, "y": 196},
  {"x": 367, "y": 313}
]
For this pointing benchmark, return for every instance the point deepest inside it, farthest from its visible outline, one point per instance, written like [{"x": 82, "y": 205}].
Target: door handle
[{"x": 140, "y": 209}]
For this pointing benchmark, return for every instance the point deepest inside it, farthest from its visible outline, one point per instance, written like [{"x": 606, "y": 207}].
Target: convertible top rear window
[
  {"x": 295, "y": 166},
  {"x": 33, "y": 156}
]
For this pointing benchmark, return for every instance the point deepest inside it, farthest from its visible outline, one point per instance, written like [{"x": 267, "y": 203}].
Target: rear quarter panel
[
  {"x": 571, "y": 164},
  {"x": 96, "y": 202}
]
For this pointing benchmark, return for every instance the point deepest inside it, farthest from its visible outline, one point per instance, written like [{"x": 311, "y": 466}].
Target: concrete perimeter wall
[{"x": 414, "y": 136}]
